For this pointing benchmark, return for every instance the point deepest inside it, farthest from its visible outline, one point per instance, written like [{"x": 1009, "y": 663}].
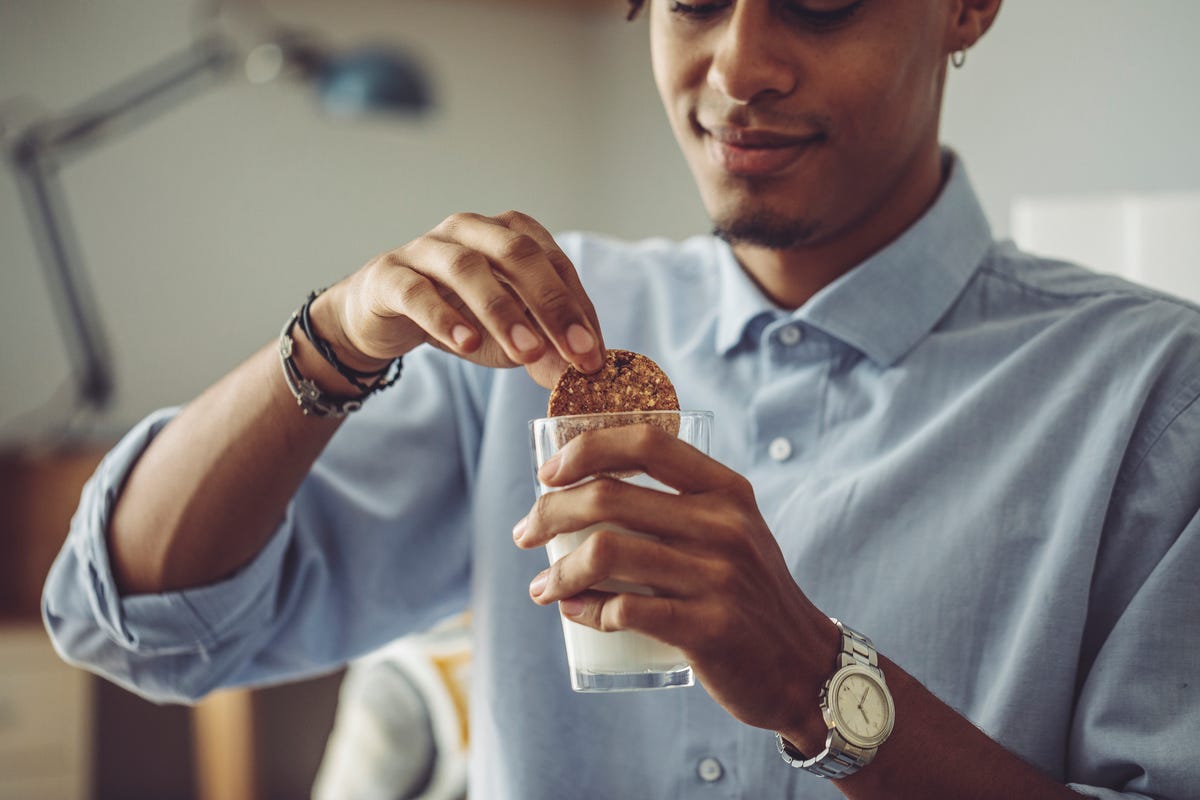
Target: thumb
[{"x": 548, "y": 369}]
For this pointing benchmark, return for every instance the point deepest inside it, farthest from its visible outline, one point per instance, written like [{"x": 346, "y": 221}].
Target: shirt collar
[
  {"x": 888, "y": 303},
  {"x": 739, "y": 302}
]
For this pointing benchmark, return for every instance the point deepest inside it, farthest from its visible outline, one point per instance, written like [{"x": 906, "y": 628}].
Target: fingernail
[
  {"x": 523, "y": 338},
  {"x": 519, "y": 528},
  {"x": 539, "y": 582},
  {"x": 460, "y": 334},
  {"x": 593, "y": 363},
  {"x": 549, "y": 467},
  {"x": 572, "y": 606},
  {"x": 580, "y": 340}
]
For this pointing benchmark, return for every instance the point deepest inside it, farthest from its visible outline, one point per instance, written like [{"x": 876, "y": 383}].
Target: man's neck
[{"x": 790, "y": 277}]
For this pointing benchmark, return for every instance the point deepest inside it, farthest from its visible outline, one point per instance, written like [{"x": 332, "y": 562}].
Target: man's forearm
[
  {"x": 211, "y": 488},
  {"x": 935, "y": 752}
]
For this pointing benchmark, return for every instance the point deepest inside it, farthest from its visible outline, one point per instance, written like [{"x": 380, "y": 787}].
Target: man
[{"x": 984, "y": 462}]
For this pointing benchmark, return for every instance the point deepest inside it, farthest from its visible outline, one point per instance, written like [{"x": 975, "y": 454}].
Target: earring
[{"x": 959, "y": 57}]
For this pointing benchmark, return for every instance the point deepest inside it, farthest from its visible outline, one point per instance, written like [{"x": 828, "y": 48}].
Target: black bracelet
[
  {"x": 381, "y": 377},
  {"x": 308, "y": 395}
]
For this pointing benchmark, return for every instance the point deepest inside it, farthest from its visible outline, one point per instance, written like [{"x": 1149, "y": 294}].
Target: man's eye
[
  {"x": 697, "y": 10},
  {"x": 814, "y": 18},
  {"x": 817, "y": 19}
]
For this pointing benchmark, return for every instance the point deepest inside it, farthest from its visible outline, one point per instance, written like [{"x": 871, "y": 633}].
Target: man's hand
[
  {"x": 724, "y": 595},
  {"x": 721, "y": 589},
  {"x": 209, "y": 492},
  {"x": 495, "y": 290}
]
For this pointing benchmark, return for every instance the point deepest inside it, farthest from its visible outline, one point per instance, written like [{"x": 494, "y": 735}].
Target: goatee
[{"x": 766, "y": 230}]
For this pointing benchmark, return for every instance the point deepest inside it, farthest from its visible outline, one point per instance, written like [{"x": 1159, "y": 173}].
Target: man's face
[{"x": 802, "y": 120}]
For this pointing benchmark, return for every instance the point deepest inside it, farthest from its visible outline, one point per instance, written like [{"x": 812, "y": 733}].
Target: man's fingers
[
  {"x": 498, "y": 290},
  {"x": 529, "y": 261},
  {"x": 615, "y": 560},
  {"x": 396, "y": 292},
  {"x": 640, "y": 448},
  {"x": 562, "y": 265},
  {"x": 659, "y": 617},
  {"x": 469, "y": 275},
  {"x": 615, "y": 502}
]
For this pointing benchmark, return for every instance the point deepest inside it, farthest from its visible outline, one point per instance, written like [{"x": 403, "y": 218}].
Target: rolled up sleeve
[
  {"x": 134, "y": 640},
  {"x": 372, "y": 547}
]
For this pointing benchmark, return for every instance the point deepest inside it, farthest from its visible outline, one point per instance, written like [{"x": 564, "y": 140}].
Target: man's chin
[{"x": 766, "y": 230}]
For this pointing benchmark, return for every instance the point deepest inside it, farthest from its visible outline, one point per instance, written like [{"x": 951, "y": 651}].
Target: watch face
[{"x": 862, "y": 706}]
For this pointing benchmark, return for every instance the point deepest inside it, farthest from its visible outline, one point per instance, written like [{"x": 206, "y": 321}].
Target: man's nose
[{"x": 745, "y": 64}]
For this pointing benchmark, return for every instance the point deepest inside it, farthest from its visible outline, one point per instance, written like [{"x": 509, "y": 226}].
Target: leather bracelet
[
  {"x": 308, "y": 395},
  {"x": 383, "y": 378}
]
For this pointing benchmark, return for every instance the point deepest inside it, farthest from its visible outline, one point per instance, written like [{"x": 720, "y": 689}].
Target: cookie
[
  {"x": 628, "y": 382},
  {"x": 628, "y": 385}
]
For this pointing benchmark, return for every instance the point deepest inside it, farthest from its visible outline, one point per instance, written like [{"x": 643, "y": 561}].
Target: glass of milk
[{"x": 619, "y": 660}]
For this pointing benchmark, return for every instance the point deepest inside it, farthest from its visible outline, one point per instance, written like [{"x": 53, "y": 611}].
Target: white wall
[
  {"x": 205, "y": 228},
  {"x": 1079, "y": 96},
  {"x": 640, "y": 183}
]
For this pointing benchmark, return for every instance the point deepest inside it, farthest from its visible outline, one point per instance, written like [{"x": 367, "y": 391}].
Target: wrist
[
  {"x": 806, "y": 729},
  {"x": 857, "y": 708},
  {"x": 327, "y": 324},
  {"x": 317, "y": 392},
  {"x": 314, "y": 367}
]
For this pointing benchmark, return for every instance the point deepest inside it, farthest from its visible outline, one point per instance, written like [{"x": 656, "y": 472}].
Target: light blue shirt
[{"x": 987, "y": 462}]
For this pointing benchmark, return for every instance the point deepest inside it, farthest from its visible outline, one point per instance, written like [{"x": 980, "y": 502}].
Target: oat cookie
[
  {"x": 628, "y": 382},
  {"x": 628, "y": 386}
]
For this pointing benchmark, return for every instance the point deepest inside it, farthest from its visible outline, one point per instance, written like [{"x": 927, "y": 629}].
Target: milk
[{"x": 618, "y": 659}]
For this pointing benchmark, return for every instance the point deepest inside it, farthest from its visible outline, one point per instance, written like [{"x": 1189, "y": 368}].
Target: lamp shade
[{"x": 373, "y": 79}]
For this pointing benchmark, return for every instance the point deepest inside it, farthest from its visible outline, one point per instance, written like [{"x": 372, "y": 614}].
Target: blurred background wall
[{"x": 202, "y": 229}]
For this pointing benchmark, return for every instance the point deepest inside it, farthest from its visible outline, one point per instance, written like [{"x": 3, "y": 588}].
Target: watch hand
[
  {"x": 863, "y": 699},
  {"x": 864, "y": 715}
]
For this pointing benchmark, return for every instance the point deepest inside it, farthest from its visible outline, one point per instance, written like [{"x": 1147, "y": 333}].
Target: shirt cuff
[{"x": 191, "y": 620}]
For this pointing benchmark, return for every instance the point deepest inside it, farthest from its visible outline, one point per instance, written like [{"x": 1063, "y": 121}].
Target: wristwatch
[{"x": 857, "y": 708}]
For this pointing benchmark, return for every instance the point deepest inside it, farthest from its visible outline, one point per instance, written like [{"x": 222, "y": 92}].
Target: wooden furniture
[
  {"x": 67, "y": 735},
  {"x": 224, "y": 746},
  {"x": 46, "y": 707},
  {"x": 45, "y": 720},
  {"x": 39, "y": 491}
]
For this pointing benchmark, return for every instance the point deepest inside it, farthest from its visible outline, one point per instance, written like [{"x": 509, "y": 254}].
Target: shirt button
[
  {"x": 791, "y": 335},
  {"x": 780, "y": 449},
  {"x": 709, "y": 770}
]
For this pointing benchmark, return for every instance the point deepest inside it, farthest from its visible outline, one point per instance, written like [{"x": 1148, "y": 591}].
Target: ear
[{"x": 969, "y": 22}]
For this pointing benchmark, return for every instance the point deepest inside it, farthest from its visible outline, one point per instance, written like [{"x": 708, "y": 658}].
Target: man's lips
[{"x": 752, "y": 152}]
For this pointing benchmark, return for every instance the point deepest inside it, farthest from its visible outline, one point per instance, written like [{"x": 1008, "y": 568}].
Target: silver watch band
[
  {"x": 839, "y": 758},
  {"x": 856, "y": 649}
]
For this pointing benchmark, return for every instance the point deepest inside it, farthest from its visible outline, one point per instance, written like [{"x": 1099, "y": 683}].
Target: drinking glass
[{"x": 601, "y": 661}]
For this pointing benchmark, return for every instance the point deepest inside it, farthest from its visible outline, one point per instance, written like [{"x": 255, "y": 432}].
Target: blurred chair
[{"x": 401, "y": 729}]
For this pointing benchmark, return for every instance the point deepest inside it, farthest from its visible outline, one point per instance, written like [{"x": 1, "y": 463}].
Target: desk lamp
[{"x": 347, "y": 83}]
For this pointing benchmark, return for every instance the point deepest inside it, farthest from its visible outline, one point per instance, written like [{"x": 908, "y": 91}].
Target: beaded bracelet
[{"x": 308, "y": 395}]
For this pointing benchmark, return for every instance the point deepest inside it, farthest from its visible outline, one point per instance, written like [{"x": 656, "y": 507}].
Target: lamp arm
[
  {"x": 135, "y": 100},
  {"x": 74, "y": 299},
  {"x": 38, "y": 154}
]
